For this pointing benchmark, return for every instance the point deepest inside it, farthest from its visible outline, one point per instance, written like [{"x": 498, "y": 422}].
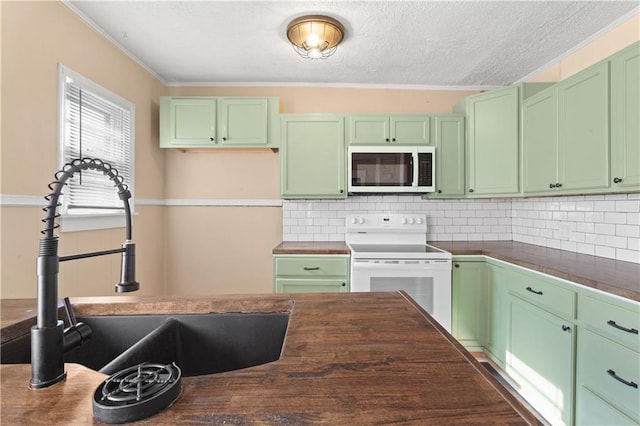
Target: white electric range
[{"x": 389, "y": 252}]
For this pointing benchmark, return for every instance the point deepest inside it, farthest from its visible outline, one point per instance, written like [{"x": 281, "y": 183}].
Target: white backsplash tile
[{"x": 600, "y": 225}]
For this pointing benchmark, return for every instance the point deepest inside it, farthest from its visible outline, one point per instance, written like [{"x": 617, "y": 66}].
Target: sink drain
[{"x": 136, "y": 393}]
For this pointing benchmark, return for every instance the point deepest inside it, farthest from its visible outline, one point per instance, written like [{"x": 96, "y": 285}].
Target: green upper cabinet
[
  {"x": 565, "y": 135},
  {"x": 187, "y": 122},
  {"x": 583, "y": 127},
  {"x": 197, "y": 122},
  {"x": 448, "y": 135},
  {"x": 402, "y": 129},
  {"x": 625, "y": 124},
  {"x": 540, "y": 142},
  {"x": 243, "y": 121},
  {"x": 312, "y": 156},
  {"x": 493, "y": 141}
]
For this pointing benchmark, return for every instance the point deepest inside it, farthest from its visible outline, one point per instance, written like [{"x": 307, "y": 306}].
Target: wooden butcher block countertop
[
  {"x": 348, "y": 359},
  {"x": 609, "y": 275}
]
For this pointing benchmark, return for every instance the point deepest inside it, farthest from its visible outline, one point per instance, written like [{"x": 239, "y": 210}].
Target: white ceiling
[{"x": 448, "y": 44}]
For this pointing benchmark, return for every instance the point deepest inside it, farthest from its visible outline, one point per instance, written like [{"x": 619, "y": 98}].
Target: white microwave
[{"x": 378, "y": 169}]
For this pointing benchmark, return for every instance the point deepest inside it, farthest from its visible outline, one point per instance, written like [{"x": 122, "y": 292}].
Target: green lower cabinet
[
  {"x": 592, "y": 410},
  {"x": 610, "y": 370},
  {"x": 469, "y": 296},
  {"x": 541, "y": 360},
  {"x": 310, "y": 273},
  {"x": 293, "y": 285},
  {"x": 498, "y": 283}
]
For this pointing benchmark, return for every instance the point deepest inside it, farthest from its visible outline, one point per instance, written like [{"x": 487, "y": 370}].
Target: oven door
[{"x": 428, "y": 282}]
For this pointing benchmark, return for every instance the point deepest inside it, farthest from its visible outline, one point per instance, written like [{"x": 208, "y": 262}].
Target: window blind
[{"x": 96, "y": 124}]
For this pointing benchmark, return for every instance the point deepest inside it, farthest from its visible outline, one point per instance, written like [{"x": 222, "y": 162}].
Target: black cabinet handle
[
  {"x": 621, "y": 380},
  {"x": 344, "y": 284},
  {"x": 393, "y": 140},
  {"x": 224, "y": 138},
  {"x": 309, "y": 268},
  {"x": 342, "y": 191},
  {"x": 566, "y": 328},
  {"x": 534, "y": 291},
  {"x": 470, "y": 190},
  {"x": 211, "y": 139},
  {"x": 613, "y": 324},
  {"x": 387, "y": 139},
  {"x": 439, "y": 191},
  {"x": 457, "y": 265},
  {"x": 551, "y": 186},
  {"x": 617, "y": 180},
  {"x": 558, "y": 185}
]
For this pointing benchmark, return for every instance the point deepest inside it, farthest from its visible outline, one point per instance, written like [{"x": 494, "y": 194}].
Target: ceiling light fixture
[{"x": 315, "y": 36}]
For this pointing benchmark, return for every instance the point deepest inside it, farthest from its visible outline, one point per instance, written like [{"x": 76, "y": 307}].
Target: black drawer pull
[
  {"x": 613, "y": 324},
  {"x": 314, "y": 268},
  {"x": 566, "y": 328},
  {"x": 534, "y": 291},
  {"x": 621, "y": 380}
]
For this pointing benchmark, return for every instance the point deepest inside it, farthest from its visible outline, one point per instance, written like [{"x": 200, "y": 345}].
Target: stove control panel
[{"x": 392, "y": 222}]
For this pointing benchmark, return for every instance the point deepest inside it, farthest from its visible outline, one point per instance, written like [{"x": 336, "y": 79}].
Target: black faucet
[{"x": 49, "y": 340}]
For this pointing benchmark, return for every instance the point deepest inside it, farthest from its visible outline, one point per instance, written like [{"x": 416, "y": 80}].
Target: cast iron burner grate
[{"x": 137, "y": 392}]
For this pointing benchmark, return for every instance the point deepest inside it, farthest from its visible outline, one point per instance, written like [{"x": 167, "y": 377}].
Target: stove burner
[{"x": 137, "y": 392}]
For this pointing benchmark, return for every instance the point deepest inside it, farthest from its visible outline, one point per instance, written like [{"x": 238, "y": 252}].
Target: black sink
[{"x": 198, "y": 343}]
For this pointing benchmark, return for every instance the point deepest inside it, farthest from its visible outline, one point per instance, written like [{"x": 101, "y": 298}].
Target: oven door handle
[{"x": 424, "y": 264}]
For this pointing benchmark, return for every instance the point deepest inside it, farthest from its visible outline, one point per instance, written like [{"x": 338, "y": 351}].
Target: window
[{"x": 96, "y": 123}]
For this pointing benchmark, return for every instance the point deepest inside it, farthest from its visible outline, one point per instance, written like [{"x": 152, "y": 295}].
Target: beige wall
[
  {"x": 36, "y": 36},
  {"x": 181, "y": 249},
  {"x": 607, "y": 44},
  {"x": 228, "y": 249}
]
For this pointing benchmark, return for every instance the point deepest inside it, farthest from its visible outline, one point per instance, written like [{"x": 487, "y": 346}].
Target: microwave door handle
[{"x": 414, "y": 170}]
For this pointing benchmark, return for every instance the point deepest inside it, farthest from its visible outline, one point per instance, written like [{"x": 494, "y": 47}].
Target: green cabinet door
[
  {"x": 625, "y": 124},
  {"x": 410, "y": 129},
  {"x": 448, "y": 131},
  {"x": 402, "y": 129},
  {"x": 499, "y": 280},
  {"x": 312, "y": 156},
  {"x": 469, "y": 304},
  {"x": 492, "y": 150},
  {"x": 540, "y": 142},
  {"x": 187, "y": 122},
  {"x": 583, "y": 121},
  {"x": 541, "y": 360},
  {"x": 369, "y": 129},
  {"x": 243, "y": 121}
]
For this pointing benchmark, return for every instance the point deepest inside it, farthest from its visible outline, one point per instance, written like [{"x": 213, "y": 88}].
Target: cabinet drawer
[
  {"x": 615, "y": 321},
  {"x": 544, "y": 293},
  {"x": 310, "y": 266},
  {"x": 592, "y": 410},
  {"x": 603, "y": 365},
  {"x": 289, "y": 285}
]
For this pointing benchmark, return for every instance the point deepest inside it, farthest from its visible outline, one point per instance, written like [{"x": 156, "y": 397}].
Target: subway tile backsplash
[{"x": 600, "y": 225}]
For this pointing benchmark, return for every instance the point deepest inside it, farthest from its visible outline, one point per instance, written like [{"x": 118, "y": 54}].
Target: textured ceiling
[{"x": 467, "y": 44}]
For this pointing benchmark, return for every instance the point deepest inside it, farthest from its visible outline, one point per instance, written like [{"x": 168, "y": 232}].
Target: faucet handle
[
  {"x": 69, "y": 310},
  {"x": 77, "y": 333}
]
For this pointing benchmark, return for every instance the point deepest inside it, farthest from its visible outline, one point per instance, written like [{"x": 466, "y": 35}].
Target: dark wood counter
[
  {"x": 311, "y": 247},
  {"x": 348, "y": 358},
  {"x": 609, "y": 275}
]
